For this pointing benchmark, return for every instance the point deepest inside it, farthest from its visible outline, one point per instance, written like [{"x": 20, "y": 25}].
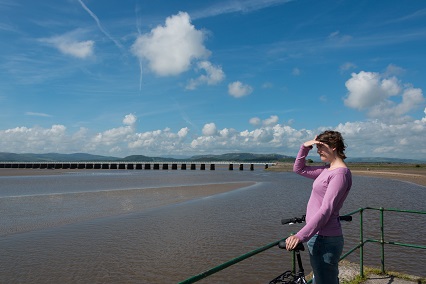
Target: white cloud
[
  {"x": 170, "y": 49},
  {"x": 209, "y": 129},
  {"x": 37, "y": 139},
  {"x": 183, "y": 132},
  {"x": 113, "y": 136},
  {"x": 381, "y": 96},
  {"x": 364, "y": 90},
  {"x": 364, "y": 139},
  {"x": 129, "y": 119},
  {"x": 271, "y": 120},
  {"x": 393, "y": 70},
  {"x": 238, "y": 89},
  {"x": 214, "y": 75},
  {"x": 375, "y": 138},
  {"x": 254, "y": 121},
  {"x": 70, "y": 45}
]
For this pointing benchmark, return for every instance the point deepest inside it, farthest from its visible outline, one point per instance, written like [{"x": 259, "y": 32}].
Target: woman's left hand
[{"x": 291, "y": 242}]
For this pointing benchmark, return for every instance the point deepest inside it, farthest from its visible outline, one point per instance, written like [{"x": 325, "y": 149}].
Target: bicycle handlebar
[{"x": 303, "y": 218}]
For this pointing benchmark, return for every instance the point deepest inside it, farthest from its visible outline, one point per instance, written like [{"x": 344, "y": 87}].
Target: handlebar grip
[
  {"x": 299, "y": 247},
  {"x": 293, "y": 220},
  {"x": 345, "y": 218}
]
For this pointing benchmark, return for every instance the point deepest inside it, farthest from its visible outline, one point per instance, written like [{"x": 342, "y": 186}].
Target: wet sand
[
  {"x": 410, "y": 173},
  {"x": 414, "y": 176},
  {"x": 181, "y": 192}
]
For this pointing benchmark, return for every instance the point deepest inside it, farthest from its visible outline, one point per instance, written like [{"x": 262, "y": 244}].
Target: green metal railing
[
  {"x": 382, "y": 241},
  {"x": 360, "y": 246}
]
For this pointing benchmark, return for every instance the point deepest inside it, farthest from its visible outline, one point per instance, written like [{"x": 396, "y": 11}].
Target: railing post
[
  {"x": 361, "y": 242},
  {"x": 382, "y": 238}
]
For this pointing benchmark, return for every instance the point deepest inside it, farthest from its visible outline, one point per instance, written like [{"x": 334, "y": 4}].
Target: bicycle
[{"x": 291, "y": 276}]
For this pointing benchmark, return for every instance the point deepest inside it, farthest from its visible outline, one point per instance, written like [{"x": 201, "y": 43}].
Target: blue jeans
[{"x": 325, "y": 253}]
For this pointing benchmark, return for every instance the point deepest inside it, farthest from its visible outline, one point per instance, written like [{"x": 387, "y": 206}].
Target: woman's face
[{"x": 325, "y": 152}]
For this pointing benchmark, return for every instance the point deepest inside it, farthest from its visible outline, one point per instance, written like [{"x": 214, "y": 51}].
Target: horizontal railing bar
[
  {"x": 396, "y": 210},
  {"x": 229, "y": 263},
  {"x": 397, "y": 244}
]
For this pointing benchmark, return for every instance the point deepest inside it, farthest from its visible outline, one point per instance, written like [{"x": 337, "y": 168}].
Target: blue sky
[{"x": 161, "y": 78}]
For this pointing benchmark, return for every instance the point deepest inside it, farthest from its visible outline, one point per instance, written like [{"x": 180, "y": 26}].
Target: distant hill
[
  {"x": 240, "y": 157},
  {"x": 141, "y": 158},
  {"x": 236, "y": 157}
]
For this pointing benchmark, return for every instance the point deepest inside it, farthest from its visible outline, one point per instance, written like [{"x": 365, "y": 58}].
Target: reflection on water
[{"x": 114, "y": 228}]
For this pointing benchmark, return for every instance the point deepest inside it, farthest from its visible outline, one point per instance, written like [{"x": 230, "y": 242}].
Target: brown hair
[{"x": 335, "y": 140}]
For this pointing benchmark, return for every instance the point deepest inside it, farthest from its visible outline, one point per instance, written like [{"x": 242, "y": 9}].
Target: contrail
[{"x": 99, "y": 24}]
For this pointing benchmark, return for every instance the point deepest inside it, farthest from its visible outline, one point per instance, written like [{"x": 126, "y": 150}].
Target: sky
[{"x": 183, "y": 78}]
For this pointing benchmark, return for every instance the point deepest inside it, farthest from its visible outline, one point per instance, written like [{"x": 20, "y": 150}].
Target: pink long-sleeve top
[{"x": 329, "y": 191}]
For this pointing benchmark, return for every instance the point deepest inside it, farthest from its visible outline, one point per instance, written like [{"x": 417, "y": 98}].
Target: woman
[{"x": 331, "y": 186}]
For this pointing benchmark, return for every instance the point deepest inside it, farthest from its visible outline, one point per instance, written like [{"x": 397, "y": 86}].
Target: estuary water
[{"x": 129, "y": 226}]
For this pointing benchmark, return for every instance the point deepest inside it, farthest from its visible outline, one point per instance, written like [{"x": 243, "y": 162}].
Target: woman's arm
[{"x": 300, "y": 166}]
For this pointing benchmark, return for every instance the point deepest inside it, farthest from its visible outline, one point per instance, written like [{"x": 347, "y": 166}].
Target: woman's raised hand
[{"x": 311, "y": 143}]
